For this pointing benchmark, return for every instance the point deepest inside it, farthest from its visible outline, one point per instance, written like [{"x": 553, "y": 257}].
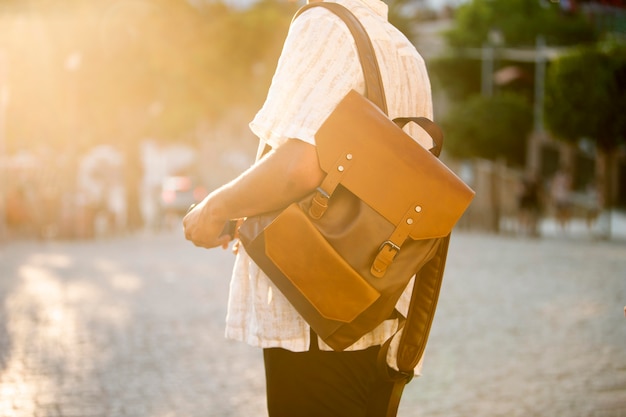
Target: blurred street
[
  {"x": 112, "y": 124},
  {"x": 133, "y": 327}
]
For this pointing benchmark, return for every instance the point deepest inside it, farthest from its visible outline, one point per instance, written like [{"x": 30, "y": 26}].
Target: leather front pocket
[{"x": 328, "y": 282}]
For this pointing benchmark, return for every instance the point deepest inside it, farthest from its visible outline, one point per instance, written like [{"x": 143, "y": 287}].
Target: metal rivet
[
  {"x": 418, "y": 209},
  {"x": 340, "y": 168},
  {"x": 409, "y": 221},
  {"x": 349, "y": 156}
]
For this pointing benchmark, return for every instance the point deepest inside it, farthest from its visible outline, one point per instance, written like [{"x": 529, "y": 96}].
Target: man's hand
[{"x": 203, "y": 228}]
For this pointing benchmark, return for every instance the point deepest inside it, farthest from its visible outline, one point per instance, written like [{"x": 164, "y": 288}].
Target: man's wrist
[{"x": 215, "y": 209}]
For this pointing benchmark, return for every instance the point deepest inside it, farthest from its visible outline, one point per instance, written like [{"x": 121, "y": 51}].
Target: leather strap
[
  {"x": 319, "y": 202},
  {"x": 422, "y": 309},
  {"x": 374, "y": 89},
  {"x": 429, "y": 126},
  {"x": 391, "y": 247},
  {"x": 416, "y": 325}
]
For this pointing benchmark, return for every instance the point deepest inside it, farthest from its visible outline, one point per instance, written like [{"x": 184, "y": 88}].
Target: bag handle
[{"x": 429, "y": 126}]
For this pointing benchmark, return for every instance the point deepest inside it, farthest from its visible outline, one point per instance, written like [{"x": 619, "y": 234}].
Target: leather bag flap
[{"x": 389, "y": 170}]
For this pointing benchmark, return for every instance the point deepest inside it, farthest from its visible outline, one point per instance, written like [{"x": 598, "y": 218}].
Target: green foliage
[
  {"x": 404, "y": 13},
  {"x": 519, "y": 22},
  {"x": 92, "y": 72},
  {"x": 497, "y": 127},
  {"x": 489, "y": 127},
  {"x": 459, "y": 77},
  {"x": 586, "y": 95}
]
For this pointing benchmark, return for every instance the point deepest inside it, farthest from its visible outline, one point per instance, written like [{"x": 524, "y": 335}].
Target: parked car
[{"x": 179, "y": 192}]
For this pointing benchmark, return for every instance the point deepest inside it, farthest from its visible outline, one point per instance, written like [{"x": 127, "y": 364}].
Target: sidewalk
[
  {"x": 527, "y": 327},
  {"x": 133, "y": 327}
]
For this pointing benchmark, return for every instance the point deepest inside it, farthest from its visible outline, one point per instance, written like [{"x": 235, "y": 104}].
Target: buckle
[
  {"x": 391, "y": 244},
  {"x": 323, "y": 193}
]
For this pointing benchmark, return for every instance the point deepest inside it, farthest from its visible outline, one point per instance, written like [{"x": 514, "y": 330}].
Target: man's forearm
[{"x": 281, "y": 177}]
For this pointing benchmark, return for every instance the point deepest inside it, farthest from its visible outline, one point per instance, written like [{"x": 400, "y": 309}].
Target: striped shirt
[{"x": 318, "y": 66}]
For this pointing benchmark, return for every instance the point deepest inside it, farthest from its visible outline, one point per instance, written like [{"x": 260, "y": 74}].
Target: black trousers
[{"x": 325, "y": 384}]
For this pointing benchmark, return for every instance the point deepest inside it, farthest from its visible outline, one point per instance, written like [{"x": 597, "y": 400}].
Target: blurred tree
[
  {"x": 489, "y": 127},
  {"x": 252, "y": 39},
  {"x": 192, "y": 65},
  {"x": 459, "y": 77},
  {"x": 586, "y": 98},
  {"x": 505, "y": 23},
  {"x": 403, "y": 14},
  {"x": 586, "y": 95},
  {"x": 86, "y": 72},
  {"x": 519, "y": 22}
]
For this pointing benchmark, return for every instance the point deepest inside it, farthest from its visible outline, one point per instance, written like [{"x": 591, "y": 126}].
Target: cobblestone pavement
[{"x": 133, "y": 327}]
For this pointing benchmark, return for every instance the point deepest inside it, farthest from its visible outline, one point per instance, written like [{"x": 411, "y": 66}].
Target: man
[{"x": 317, "y": 67}]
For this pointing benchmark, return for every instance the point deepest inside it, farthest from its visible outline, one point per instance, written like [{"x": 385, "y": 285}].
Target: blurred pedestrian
[
  {"x": 529, "y": 206},
  {"x": 560, "y": 190},
  {"x": 593, "y": 204}
]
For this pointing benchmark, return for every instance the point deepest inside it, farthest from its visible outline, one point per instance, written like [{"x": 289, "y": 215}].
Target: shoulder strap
[
  {"x": 374, "y": 90},
  {"x": 422, "y": 308},
  {"x": 416, "y": 325}
]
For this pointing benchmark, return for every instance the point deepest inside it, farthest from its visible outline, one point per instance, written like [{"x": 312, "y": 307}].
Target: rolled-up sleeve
[{"x": 304, "y": 91}]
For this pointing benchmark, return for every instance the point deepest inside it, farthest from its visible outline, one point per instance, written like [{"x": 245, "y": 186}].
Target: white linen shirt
[{"x": 318, "y": 66}]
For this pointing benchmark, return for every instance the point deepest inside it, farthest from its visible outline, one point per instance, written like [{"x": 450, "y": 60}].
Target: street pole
[
  {"x": 487, "y": 70},
  {"x": 540, "y": 75},
  {"x": 4, "y": 101}
]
